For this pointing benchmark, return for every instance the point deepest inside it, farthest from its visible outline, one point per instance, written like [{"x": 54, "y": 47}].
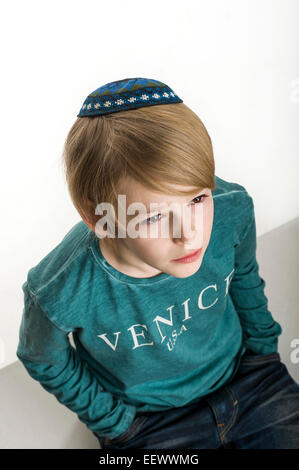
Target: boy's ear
[
  {"x": 86, "y": 221},
  {"x": 90, "y": 219}
]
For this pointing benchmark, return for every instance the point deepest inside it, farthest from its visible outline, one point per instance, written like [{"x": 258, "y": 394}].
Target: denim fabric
[{"x": 258, "y": 409}]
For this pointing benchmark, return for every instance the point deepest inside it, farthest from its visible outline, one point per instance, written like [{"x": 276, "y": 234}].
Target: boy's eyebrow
[{"x": 157, "y": 208}]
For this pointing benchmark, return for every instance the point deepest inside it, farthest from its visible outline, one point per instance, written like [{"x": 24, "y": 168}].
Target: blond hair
[{"x": 155, "y": 145}]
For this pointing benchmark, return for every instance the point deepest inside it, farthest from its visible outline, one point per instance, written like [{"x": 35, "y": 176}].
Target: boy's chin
[{"x": 184, "y": 270}]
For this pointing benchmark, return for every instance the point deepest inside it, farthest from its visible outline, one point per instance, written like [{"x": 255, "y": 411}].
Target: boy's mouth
[{"x": 189, "y": 257}]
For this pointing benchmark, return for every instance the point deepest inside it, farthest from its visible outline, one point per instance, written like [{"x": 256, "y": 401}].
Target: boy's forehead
[{"x": 136, "y": 192}]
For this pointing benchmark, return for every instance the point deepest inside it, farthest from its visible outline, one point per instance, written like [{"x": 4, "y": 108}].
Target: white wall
[{"x": 233, "y": 62}]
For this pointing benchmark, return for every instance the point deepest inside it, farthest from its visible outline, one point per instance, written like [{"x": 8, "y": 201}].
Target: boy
[{"x": 168, "y": 353}]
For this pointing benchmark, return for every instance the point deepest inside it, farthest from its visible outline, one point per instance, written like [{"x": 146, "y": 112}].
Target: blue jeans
[{"x": 257, "y": 409}]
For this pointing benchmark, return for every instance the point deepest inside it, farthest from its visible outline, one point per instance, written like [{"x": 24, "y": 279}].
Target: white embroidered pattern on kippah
[{"x": 120, "y": 102}]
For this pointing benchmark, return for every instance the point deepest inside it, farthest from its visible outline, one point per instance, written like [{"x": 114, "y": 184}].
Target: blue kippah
[{"x": 129, "y": 93}]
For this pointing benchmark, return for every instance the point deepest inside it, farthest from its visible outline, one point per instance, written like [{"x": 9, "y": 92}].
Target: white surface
[{"x": 32, "y": 418}]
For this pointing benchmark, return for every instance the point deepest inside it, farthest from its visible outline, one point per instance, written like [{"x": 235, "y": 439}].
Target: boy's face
[{"x": 147, "y": 256}]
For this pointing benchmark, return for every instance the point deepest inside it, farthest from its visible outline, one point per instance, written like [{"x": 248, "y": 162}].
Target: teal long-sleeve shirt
[{"x": 145, "y": 344}]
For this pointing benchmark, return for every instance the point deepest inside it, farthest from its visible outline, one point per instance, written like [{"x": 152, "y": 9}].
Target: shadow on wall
[{"x": 278, "y": 258}]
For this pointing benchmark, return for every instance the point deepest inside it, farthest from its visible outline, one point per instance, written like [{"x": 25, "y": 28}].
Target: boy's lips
[{"x": 187, "y": 256}]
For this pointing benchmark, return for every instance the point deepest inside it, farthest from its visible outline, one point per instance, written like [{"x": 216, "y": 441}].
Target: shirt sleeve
[
  {"x": 260, "y": 330},
  {"x": 46, "y": 353}
]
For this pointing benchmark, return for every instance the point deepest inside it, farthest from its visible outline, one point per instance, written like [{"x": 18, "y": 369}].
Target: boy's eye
[
  {"x": 154, "y": 218},
  {"x": 197, "y": 197}
]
